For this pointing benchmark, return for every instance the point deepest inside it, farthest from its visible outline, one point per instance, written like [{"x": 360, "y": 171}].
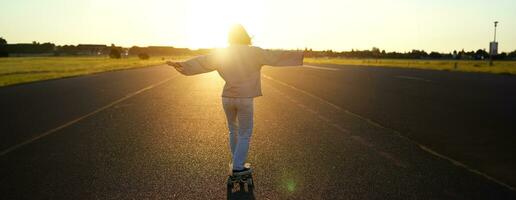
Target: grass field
[
  {"x": 28, "y": 69},
  {"x": 499, "y": 67}
]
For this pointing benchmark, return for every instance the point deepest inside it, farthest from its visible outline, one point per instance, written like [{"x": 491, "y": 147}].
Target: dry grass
[
  {"x": 16, "y": 70},
  {"x": 499, "y": 67}
]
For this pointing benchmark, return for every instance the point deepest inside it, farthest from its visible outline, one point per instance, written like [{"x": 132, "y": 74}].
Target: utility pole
[{"x": 493, "y": 46}]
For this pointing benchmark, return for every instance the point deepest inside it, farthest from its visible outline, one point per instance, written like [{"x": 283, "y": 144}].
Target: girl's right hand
[{"x": 176, "y": 65}]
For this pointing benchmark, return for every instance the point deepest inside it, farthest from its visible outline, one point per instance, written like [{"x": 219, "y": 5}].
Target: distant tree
[
  {"x": 447, "y": 56},
  {"x": 143, "y": 56},
  {"x": 417, "y": 54},
  {"x": 481, "y": 54},
  {"x": 115, "y": 53},
  {"x": 135, "y": 50},
  {"x": 3, "y": 49},
  {"x": 460, "y": 54},
  {"x": 501, "y": 56},
  {"x": 435, "y": 55},
  {"x": 469, "y": 55},
  {"x": 3, "y": 41},
  {"x": 376, "y": 52},
  {"x": 512, "y": 55}
]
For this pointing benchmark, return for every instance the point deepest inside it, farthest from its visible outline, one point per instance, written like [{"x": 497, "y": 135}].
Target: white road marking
[
  {"x": 311, "y": 110},
  {"x": 361, "y": 141},
  {"x": 357, "y": 138},
  {"x": 459, "y": 164},
  {"x": 340, "y": 128},
  {"x": 393, "y": 159},
  {"x": 324, "y": 118},
  {"x": 17, "y": 146},
  {"x": 301, "y": 105},
  {"x": 323, "y": 68},
  {"x": 423, "y": 147},
  {"x": 413, "y": 78}
]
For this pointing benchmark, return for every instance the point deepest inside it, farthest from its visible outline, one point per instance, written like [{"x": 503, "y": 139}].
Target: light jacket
[{"x": 240, "y": 66}]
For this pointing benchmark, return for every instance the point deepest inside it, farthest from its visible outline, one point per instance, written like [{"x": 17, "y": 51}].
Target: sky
[{"x": 341, "y": 25}]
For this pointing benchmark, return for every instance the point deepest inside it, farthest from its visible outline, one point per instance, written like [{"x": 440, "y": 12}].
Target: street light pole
[
  {"x": 493, "y": 46},
  {"x": 496, "y": 24}
]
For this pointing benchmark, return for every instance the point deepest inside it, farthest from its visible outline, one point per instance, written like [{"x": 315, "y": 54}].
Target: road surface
[{"x": 321, "y": 132}]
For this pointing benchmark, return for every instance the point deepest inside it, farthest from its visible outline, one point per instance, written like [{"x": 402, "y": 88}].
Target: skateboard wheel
[
  {"x": 249, "y": 182},
  {"x": 230, "y": 182}
]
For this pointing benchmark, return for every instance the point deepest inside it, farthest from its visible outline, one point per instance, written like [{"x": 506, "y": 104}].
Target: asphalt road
[{"x": 328, "y": 132}]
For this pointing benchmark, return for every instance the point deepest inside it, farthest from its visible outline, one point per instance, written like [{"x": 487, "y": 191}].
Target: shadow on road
[{"x": 240, "y": 193}]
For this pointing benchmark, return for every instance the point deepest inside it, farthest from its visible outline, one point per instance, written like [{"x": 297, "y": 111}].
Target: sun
[{"x": 208, "y": 21}]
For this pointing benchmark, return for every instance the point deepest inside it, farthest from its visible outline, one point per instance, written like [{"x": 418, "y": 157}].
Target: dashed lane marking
[
  {"x": 423, "y": 147},
  {"x": 459, "y": 164},
  {"x": 357, "y": 138},
  {"x": 413, "y": 78}
]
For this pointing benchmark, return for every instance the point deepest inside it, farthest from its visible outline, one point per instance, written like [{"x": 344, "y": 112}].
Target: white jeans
[{"x": 239, "y": 114}]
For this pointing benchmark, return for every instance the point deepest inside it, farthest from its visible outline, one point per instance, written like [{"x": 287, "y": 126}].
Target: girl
[{"x": 239, "y": 65}]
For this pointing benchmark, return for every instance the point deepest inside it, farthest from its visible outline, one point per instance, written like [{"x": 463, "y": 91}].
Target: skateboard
[{"x": 242, "y": 180}]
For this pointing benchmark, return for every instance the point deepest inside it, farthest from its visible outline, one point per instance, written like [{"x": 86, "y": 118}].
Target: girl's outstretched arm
[{"x": 193, "y": 66}]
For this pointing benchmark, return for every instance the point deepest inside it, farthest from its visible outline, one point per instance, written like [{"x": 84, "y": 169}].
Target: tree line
[
  {"x": 145, "y": 52},
  {"x": 113, "y": 51},
  {"x": 376, "y": 53}
]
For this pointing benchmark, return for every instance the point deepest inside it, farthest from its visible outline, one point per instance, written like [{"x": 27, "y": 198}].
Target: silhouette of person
[{"x": 240, "y": 66}]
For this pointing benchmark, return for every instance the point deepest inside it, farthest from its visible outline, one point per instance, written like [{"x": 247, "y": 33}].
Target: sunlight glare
[{"x": 209, "y": 21}]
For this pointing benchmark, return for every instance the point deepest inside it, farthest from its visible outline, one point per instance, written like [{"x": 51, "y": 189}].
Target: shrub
[
  {"x": 115, "y": 53},
  {"x": 143, "y": 56},
  {"x": 3, "y": 41}
]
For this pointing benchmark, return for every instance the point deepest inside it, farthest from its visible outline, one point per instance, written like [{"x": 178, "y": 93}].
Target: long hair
[{"x": 238, "y": 35}]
